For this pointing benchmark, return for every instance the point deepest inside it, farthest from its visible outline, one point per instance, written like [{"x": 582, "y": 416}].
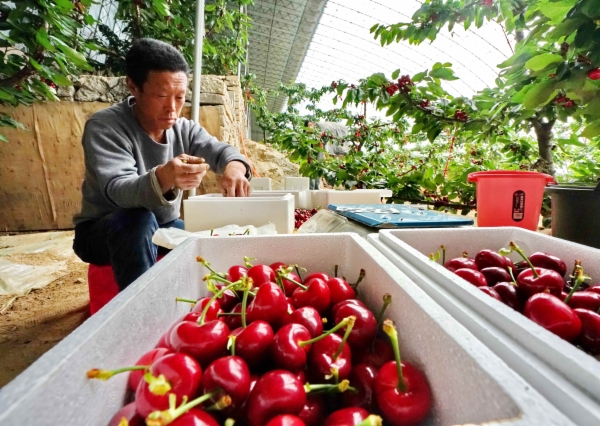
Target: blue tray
[{"x": 398, "y": 216}]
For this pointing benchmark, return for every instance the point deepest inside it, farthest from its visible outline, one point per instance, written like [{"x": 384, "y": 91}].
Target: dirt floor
[{"x": 32, "y": 324}]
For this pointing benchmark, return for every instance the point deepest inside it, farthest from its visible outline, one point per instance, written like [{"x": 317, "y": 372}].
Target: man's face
[{"x": 160, "y": 100}]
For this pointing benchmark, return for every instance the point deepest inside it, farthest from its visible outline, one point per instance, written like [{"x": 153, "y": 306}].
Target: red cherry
[
  {"x": 261, "y": 274},
  {"x": 321, "y": 361},
  {"x": 195, "y": 417},
  {"x": 487, "y": 258},
  {"x": 362, "y": 378},
  {"x": 268, "y": 305},
  {"x": 317, "y": 295},
  {"x": 287, "y": 350},
  {"x": 473, "y": 277},
  {"x": 276, "y": 392},
  {"x": 491, "y": 292},
  {"x": 494, "y": 275},
  {"x": 508, "y": 294},
  {"x": 204, "y": 342},
  {"x": 347, "y": 417},
  {"x": 231, "y": 375},
  {"x": 365, "y": 326},
  {"x": 554, "y": 315},
  {"x": 286, "y": 420},
  {"x": 590, "y": 330},
  {"x": 309, "y": 318},
  {"x": 236, "y": 272},
  {"x": 529, "y": 284},
  {"x": 548, "y": 261},
  {"x": 461, "y": 263},
  {"x": 340, "y": 290},
  {"x": 128, "y": 413},
  {"x": 182, "y": 376},
  {"x": 594, "y": 74},
  {"x": 585, "y": 300},
  {"x": 594, "y": 288},
  {"x": 375, "y": 355},
  {"x": 147, "y": 359},
  {"x": 320, "y": 275},
  {"x": 252, "y": 343},
  {"x": 313, "y": 411}
]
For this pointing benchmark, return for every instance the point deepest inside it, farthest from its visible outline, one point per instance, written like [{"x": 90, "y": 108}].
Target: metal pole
[{"x": 197, "y": 68}]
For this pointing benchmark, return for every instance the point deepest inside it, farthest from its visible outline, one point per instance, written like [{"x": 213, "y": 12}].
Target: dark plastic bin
[{"x": 576, "y": 213}]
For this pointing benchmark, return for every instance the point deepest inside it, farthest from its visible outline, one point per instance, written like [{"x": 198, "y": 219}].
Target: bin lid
[
  {"x": 398, "y": 216},
  {"x": 520, "y": 174}
]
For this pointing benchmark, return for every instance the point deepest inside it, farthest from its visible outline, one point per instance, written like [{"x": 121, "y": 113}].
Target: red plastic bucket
[{"x": 509, "y": 197}]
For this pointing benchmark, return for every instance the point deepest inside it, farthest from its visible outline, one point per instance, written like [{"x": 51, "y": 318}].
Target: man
[
  {"x": 139, "y": 158},
  {"x": 337, "y": 130}
]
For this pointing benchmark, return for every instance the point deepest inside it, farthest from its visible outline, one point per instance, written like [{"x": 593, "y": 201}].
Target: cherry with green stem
[
  {"x": 579, "y": 278},
  {"x": 168, "y": 416},
  {"x": 361, "y": 276},
  {"x": 217, "y": 294},
  {"x": 96, "y": 373}
]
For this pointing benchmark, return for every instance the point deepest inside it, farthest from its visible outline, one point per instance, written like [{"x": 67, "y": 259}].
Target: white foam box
[
  {"x": 470, "y": 384},
  {"x": 299, "y": 183},
  {"x": 302, "y": 198},
  {"x": 325, "y": 197},
  {"x": 262, "y": 184},
  {"x": 564, "y": 374},
  {"x": 210, "y": 211}
]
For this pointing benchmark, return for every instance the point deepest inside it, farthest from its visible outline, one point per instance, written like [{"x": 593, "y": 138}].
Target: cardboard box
[
  {"x": 470, "y": 384},
  {"x": 564, "y": 374}
]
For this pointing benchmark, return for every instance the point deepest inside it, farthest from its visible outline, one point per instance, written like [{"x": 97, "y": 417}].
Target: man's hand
[
  {"x": 183, "y": 172},
  {"x": 234, "y": 180}
]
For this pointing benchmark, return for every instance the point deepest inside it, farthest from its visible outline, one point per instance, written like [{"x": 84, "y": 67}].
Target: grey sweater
[{"x": 121, "y": 161}]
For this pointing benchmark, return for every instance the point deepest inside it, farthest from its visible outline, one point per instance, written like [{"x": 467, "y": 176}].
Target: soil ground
[{"x": 32, "y": 324}]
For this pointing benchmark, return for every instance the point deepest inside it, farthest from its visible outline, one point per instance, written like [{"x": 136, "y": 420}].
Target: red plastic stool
[{"x": 102, "y": 285}]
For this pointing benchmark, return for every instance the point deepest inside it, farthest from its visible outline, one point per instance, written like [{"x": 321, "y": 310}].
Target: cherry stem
[
  {"x": 228, "y": 314},
  {"x": 247, "y": 261},
  {"x": 212, "y": 232},
  {"x": 360, "y": 278},
  {"x": 302, "y": 286},
  {"x": 340, "y": 387},
  {"x": 465, "y": 253},
  {"x": 443, "y": 247},
  {"x": 229, "y": 422},
  {"x": 216, "y": 296},
  {"x": 162, "y": 418},
  {"x": 231, "y": 344},
  {"x": 341, "y": 324},
  {"x": 204, "y": 263},
  {"x": 352, "y": 320},
  {"x": 335, "y": 271},
  {"x": 298, "y": 271},
  {"x": 247, "y": 285},
  {"x": 512, "y": 277},
  {"x": 181, "y": 299},
  {"x": 579, "y": 279},
  {"x": 372, "y": 420},
  {"x": 390, "y": 330},
  {"x": 387, "y": 299},
  {"x": 107, "y": 374},
  {"x": 577, "y": 263},
  {"x": 516, "y": 248},
  {"x": 157, "y": 385}
]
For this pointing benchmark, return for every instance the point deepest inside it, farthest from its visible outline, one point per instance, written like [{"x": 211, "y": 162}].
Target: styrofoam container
[
  {"x": 210, "y": 211},
  {"x": 383, "y": 193},
  {"x": 325, "y": 197},
  {"x": 564, "y": 374},
  {"x": 469, "y": 383},
  {"x": 260, "y": 184},
  {"x": 302, "y": 198},
  {"x": 299, "y": 183}
]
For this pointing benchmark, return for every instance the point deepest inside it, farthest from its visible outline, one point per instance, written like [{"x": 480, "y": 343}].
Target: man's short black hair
[
  {"x": 307, "y": 122},
  {"x": 147, "y": 55}
]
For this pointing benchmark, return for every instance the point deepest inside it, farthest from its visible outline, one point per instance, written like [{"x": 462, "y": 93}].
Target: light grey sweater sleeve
[
  {"x": 217, "y": 154},
  {"x": 109, "y": 155}
]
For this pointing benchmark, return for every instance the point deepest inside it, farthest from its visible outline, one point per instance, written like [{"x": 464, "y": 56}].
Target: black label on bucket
[{"x": 518, "y": 207}]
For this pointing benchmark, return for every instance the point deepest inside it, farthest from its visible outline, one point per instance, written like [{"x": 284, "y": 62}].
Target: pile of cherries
[
  {"x": 269, "y": 348},
  {"x": 536, "y": 287},
  {"x": 302, "y": 215}
]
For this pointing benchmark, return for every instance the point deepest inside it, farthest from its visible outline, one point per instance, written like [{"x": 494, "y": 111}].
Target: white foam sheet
[
  {"x": 469, "y": 383},
  {"x": 565, "y": 375}
]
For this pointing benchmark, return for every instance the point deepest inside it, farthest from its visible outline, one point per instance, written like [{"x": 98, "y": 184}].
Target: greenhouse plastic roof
[{"x": 318, "y": 41}]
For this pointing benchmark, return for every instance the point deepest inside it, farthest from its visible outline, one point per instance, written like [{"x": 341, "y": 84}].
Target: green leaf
[
  {"x": 556, "y": 11},
  {"x": 6, "y": 96},
  {"x": 212, "y": 7},
  {"x": 395, "y": 74},
  {"x": 592, "y": 130},
  {"x": 433, "y": 133},
  {"x": 443, "y": 73},
  {"x": 419, "y": 76},
  {"x": 540, "y": 62},
  {"x": 540, "y": 94},
  {"x": 584, "y": 33},
  {"x": 41, "y": 37},
  {"x": 379, "y": 79},
  {"x": 162, "y": 7},
  {"x": 591, "y": 8},
  {"x": 65, "y": 4},
  {"x": 77, "y": 58},
  {"x": 3, "y": 138}
]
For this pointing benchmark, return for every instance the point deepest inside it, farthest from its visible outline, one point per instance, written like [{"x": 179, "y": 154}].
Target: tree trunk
[{"x": 543, "y": 131}]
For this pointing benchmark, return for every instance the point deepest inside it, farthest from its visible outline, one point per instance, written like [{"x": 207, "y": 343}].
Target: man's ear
[{"x": 133, "y": 89}]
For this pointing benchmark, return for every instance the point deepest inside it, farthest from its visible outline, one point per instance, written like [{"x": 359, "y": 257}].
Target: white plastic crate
[
  {"x": 260, "y": 184},
  {"x": 205, "y": 212},
  {"x": 325, "y": 197},
  {"x": 565, "y": 375},
  {"x": 470, "y": 384},
  {"x": 298, "y": 183}
]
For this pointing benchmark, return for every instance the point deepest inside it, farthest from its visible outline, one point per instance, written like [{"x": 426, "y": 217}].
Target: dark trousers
[{"x": 122, "y": 239}]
